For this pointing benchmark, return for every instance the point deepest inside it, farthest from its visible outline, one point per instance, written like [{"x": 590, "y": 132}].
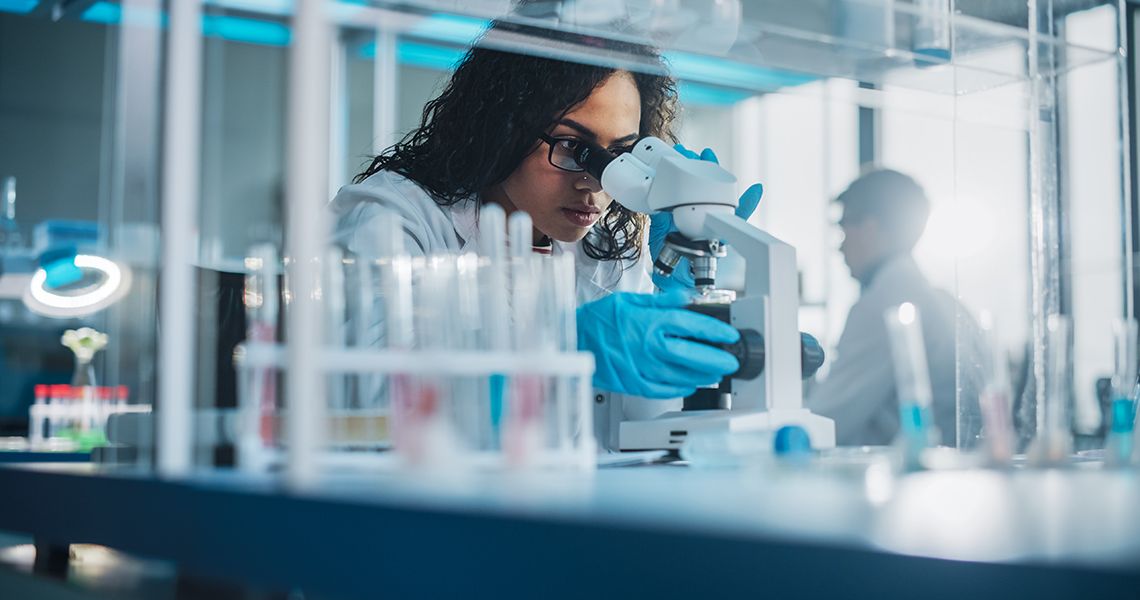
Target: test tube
[
  {"x": 931, "y": 31},
  {"x": 36, "y": 416},
  {"x": 493, "y": 246},
  {"x": 433, "y": 404},
  {"x": 375, "y": 281},
  {"x": 88, "y": 407},
  {"x": 1122, "y": 411},
  {"x": 332, "y": 299},
  {"x": 1054, "y": 435},
  {"x": 399, "y": 327},
  {"x": 106, "y": 404},
  {"x": 1135, "y": 430},
  {"x": 521, "y": 435},
  {"x": 912, "y": 380},
  {"x": 64, "y": 400},
  {"x": 420, "y": 314},
  {"x": 995, "y": 398},
  {"x": 523, "y": 286},
  {"x": 468, "y": 393},
  {"x": 57, "y": 399},
  {"x": 367, "y": 332},
  {"x": 557, "y": 329}
]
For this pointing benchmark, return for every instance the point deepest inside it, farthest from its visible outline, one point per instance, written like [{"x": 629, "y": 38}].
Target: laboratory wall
[{"x": 54, "y": 86}]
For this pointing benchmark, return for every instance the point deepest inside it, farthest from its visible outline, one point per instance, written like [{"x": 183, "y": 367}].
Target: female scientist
[{"x": 503, "y": 131}]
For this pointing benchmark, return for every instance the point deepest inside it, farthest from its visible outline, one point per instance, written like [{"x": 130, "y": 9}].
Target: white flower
[{"x": 84, "y": 342}]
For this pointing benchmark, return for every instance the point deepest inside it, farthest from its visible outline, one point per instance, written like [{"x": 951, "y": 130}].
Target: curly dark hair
[{"x": 487, "y": 119}]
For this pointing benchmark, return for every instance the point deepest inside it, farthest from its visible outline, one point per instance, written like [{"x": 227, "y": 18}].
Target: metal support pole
[
  {"x": 180, "y": 197},
  {"x": 306, "y": 195}
]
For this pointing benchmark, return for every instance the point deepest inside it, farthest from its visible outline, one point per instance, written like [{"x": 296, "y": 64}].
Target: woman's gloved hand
[
  {"x": 639, "y": 344},
  {"x": 661, "y": 224}
]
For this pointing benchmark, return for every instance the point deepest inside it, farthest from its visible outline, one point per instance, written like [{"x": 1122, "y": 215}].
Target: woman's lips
[{"x": 581, "y": 218}]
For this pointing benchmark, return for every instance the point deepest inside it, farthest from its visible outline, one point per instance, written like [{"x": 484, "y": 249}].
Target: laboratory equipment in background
[
  {"x": 65, "y": 277},
  {"x": 17, "y": 260},
  {"x": 766, "y": 393},
  {"x": 66, "y": 417},
  {"x": 452, "y": 361},
  {"x": 10, "y": 237},
  {"x": 75, "y": 416},
  {"x": 65, "y": 273}
]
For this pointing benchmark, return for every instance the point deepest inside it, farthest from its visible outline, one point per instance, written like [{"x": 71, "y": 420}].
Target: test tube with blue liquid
[
  {"x": 1122, "y": 411},
  {"x": 912, "y": 381},
  {"x": 493, "y": 247}
]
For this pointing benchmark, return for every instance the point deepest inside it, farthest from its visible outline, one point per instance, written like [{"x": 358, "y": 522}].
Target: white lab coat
[
  {"x": 434, "y": 229},
  {"x": 859, "y": 392}
]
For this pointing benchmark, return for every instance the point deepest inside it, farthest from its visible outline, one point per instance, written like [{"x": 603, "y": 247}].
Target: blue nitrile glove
[
  {"x": 639, "y": 344},
  {"x": 661, "y": 224}
]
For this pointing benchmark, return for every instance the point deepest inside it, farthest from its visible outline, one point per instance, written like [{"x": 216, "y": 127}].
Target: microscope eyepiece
[{"x": 593, "y": 158}]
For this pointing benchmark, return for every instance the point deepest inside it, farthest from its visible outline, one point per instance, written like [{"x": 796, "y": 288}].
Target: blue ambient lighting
[{"x": 18, "y": 6}]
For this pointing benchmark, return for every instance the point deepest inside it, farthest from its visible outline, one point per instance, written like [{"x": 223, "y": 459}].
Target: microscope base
[{"x": 669, "y": 430}]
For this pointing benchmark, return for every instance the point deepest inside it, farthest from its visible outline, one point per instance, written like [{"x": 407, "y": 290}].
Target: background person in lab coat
[
  {"x": 884, "y": 215},
  {"x": 503, "y": 131}
]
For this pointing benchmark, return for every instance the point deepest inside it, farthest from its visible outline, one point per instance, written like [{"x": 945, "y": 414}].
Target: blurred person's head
[{"x": 884, "y": 215}]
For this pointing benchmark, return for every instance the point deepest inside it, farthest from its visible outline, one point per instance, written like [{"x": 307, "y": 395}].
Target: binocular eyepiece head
[{"x": 593, "y": 158}]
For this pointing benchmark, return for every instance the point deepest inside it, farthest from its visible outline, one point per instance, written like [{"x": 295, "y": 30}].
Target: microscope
[{"x": 766, "y": 393}]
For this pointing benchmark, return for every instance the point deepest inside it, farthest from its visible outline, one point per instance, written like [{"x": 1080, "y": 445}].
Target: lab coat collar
[
  {"x": 465, "y": 220},
  {"x": 594, "y": 278}
]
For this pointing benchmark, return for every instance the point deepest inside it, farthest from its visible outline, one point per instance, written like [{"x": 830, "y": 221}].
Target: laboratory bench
[{"x": 659, "y": 530}]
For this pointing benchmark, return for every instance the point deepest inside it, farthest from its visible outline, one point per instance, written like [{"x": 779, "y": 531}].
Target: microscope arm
[{"x": 770, "y": 305}]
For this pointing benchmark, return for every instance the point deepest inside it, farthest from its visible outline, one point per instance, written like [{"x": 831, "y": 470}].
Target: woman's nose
[{"x": 587, "y": 182}]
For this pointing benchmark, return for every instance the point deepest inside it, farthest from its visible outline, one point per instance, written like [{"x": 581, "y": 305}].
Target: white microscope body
[{"x": 654, "y": 177}]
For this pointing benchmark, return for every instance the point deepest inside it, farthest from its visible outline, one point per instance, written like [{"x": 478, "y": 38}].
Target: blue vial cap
[{"x": 792, "y": 440}]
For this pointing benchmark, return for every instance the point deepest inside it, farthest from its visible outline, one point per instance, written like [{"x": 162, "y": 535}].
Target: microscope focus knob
[
  {"x": 749, "y": 352},
  {"x": 749, "y": 349},
  {"x": 811, "y": 355}
]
